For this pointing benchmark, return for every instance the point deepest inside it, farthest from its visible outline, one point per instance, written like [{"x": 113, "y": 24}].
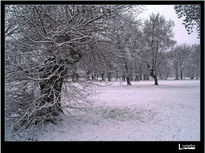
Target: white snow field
[{"x": 141, "y": 112}]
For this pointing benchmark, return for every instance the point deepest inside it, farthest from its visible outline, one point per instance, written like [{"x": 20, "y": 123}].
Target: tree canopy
[{"x": 191, "y": 15}]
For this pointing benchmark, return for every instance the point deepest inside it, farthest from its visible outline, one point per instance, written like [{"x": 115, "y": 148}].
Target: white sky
[{"x": 181, "y": 35}]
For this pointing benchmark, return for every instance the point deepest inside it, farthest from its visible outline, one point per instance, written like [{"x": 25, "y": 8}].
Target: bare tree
[
  {"x": 178, "y": 59},
  {"x": 122, "y": 35},
  {"x": 44, "y": 44},
  {"x": 192, "y": 63},
  {"x": 158, "y": 36}
]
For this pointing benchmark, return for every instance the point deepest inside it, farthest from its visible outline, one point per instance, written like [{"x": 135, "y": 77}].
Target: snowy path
[{"x": 142, "y": 112}]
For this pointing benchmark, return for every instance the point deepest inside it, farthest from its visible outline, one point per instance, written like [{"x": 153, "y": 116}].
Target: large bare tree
[
  {"x": 158, "y": 34},
  {"x": 44, "y": 45}
]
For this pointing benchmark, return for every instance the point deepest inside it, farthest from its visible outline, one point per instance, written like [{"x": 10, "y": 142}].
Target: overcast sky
[{"x": 181, "y": 35}]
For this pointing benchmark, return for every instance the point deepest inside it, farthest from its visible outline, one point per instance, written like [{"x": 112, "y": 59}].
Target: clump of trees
[
  {"x": 56, "y": 49},
  {"x": 193, "y": 63},
  {"x": 185, "y": 61}
]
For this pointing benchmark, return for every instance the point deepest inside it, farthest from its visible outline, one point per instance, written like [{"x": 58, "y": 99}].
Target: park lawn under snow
[{"x": 141, "y": 112}]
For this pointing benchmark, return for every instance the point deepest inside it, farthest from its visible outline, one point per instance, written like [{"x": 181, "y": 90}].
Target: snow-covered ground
[{"x": 141, "y": 112}]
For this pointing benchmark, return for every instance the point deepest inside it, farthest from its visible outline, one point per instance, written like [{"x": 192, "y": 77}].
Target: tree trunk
[
  {"x": 127, "y": 75},
  {"x": 192, "y": 73},
  {"x": 109, "y": 76},
  {"x": 51, "y": 89},
  {"x": 155, "y": 80},
  {"x": 176, "y": 73},
  {"x": 137, "y": 78},
  {"x": 103, "y": 76},
  {"x": 52, "y": 75},
  {"x": 92, "y": 77},
  {"x": 128, "y": 81},
  {"x": 181, "y": 75},
  {"x": 50, "y": 104},
  {"x": 154, "y": 76}
]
